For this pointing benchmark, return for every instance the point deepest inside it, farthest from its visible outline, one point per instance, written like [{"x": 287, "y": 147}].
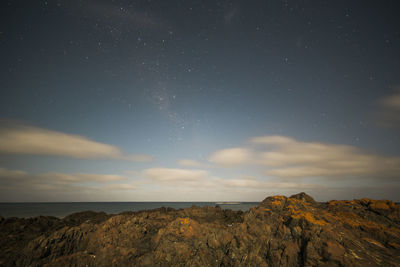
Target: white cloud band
[
  {"x": 36, "y": 141},
  {"x": 285, "y": 157}
]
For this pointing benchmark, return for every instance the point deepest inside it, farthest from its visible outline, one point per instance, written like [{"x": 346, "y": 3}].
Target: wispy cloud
[
  {"x": 282, "y": 166},
  {"x": 123, "y": 186},
  {"x": 30, "y": 140},
  {"x": 17, "y": 185},
  {"x": 13, "y": 176},
  {"x": 192, "y": 163},
  {"x": 176, "y": 177},
  {"x": 203, "y": 180},
  {"x": 292, "y": 159},
  {"x": 255, "y": 184},
  {"x": 81, "y": 177},
  {"x": 287, "y": 158},
  {"x": 231, "y": 156},
  {"x": 389, "y": 111},
  {"x": 161, "y": 184}
]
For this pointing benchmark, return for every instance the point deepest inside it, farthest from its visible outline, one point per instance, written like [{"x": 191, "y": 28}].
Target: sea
[{"x": 62, "y": 209}]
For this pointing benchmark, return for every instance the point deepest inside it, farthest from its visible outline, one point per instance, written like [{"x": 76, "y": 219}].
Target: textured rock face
[{"x": 281, "y": 231}]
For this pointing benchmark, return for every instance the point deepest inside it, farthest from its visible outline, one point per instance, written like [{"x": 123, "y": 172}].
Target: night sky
[{"x": 199, "y": 100}]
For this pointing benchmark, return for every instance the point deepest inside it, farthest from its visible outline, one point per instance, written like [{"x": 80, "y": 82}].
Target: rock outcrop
[{"x": 280, "y": 231}]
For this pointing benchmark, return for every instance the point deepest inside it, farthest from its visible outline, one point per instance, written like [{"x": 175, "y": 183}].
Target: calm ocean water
[{"x": 61, "y": 209}]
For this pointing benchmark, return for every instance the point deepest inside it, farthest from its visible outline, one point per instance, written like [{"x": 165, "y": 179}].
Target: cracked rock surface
[{"x": 280, "y": 231}]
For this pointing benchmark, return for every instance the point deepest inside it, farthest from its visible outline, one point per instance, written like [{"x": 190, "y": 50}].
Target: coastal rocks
[
  {"x": 16, "y": 233},
  {"x": 85, "y": 216},
  {"x": 280, "y": 231}
]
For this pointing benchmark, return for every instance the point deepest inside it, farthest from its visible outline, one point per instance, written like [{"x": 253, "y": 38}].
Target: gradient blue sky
[{"x": 218, "y": 100}]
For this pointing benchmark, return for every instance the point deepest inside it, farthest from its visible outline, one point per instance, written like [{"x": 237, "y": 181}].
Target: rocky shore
[{"x": 280, "y": 231}]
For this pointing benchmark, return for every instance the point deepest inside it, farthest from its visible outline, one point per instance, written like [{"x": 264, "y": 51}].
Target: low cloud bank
[
  {"x": 201, "y": 179},
  {"x": 169, "y": 184},
  {"x": 284, "y": 157},
  {"x": 17, "y": 185},
  {"x": 175, "y": 177},
  {"x": 280, "y": 165},
  {"x": 21, "y": 139}
]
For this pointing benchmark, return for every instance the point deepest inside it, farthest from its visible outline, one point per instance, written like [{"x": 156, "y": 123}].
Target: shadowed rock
[{"x": 280, "y": 231}]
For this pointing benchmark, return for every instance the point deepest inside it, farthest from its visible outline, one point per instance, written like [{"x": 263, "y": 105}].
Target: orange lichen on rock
[
  {"x": 308, "y": 217},
  {"x": 276, "y": 202},
  {"x": 354, "y": 221},
  {"x": 341, "y": 202},
  {"x": 184, "y": 220},
  {"x": 333, "y": 202},
  {"x": 348, "y": 218},
  {"x": 186, "y": 227},
  {"x": 266, "y": 209},
  {"x": 300, "y": 214},
  {"x": 295, "y": 201},
  {"x": 189, "y": 232},
  {"x": 291, "y": 208},
  {"x": 379, "y": 205}
]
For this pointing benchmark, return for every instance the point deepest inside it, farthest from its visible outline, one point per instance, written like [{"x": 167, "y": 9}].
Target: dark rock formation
[{"x": 281, "y": 231}]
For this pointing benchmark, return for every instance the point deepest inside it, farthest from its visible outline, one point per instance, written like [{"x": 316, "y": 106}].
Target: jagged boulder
[{"x": 303, "y": 197}]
